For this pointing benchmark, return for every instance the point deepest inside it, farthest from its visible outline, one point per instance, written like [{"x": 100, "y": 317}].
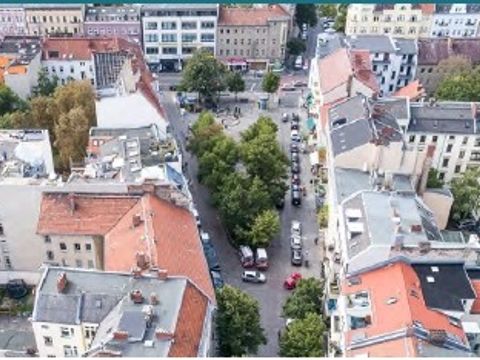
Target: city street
[{"x": 271, "y": 295}]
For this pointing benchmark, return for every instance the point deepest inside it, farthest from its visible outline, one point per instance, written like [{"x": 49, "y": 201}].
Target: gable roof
[
  {"x": 251, "y": 16},
  {"x": 413, "y": 91}
]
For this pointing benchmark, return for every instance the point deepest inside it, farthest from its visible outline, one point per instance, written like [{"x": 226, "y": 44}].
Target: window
[
  {"x": 78, "y": 263},
  {"x": 61, "y": 68},
  {"x": 451, "y": 137},
  {"x": 151, "y": 38},
  {"x": 411, "y": 139},
  {"x": 90, "y": 332},
  {"x": 63, "y": 246},
  {"x": 207, "y": 38},
  {"x": 66, "y": 332},
  {"x": 151, "y": 50},
  {"x": 208, "y": 25},
  {"x": 457, "y": 168},
  {"x": 169, "y": 25},
  {"x": 1, "y": 229},
  {"x": 152, "y": 26},
  {"x": 50, "y": 255},
  {"x": 441, "y": 176},
  {"x": 189, "y": 25},
  {"x": 189, "y": 37},
  {"x": 422, "y": 139},
  {"x": 169, "y": 50},
  {"x": 434, "y": 139},
  {"x": 465, "y": 140},
  {"x": 186, "y": 50},
  {"x": 48, "y": 341},
  {"x": 449, "y": 148},
  {"x": 445, "y": 162},
  {"x": 8, "y": 263},
  {"x": 169, "y": 37},
  {"x": 461, "y": 154},
  {"x": 70, "y": 351},
  {"x": 77, "y": 246}
]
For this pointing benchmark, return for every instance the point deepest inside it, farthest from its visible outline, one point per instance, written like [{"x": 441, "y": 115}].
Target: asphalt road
[{"x": 271, "y": 295}]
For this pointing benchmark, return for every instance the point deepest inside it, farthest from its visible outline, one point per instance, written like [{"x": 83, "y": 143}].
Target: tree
[
  {"x": 265, "y": 226},
  {"x": 306, "y": 298},
  {"x": 270, "y": 82},
  {"x": 204, "y": 75},
  {"x": 296, "y": 46},
  {"x": 433, "y": 181},
  {"x": 327, "y": 10},
  {"x": 305, "y": 14},
  {"x": 304, "y": 338},
  {"x": 322, "y": 216},
  {"x": 205, "y": 134},
  {"x": 46, "y": 86},
  {"x": 76, "y": 94},
  {"x": 341, "y": 19},
  {"x": 451, "y": 66},
  {"x": 463, "y": 86},
  {"x": 238, "y": 323},
  {"x": 235, "y": 83},
  {"x": 466, "y": 194},
  {"x": 9, "y": 101}
]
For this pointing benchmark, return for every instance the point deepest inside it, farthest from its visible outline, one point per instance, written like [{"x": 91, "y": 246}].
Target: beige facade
[
  {"x": 250, "y": 42},
  {"x": 401, "y": 20},
  {"x": 54, "y": 19}
]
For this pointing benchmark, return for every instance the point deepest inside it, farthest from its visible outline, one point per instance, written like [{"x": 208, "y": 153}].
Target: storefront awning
[{"x": 236, "y": 61}]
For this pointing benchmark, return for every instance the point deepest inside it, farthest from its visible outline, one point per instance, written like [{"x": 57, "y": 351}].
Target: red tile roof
[
  {"x": 398, "y": 281},
  {"x": 362, "y": 68},
  {"x": 169, "y": 238},
  {"x": 413, "y": 91},
  {"x": 191, "y": 318},
  {"x": 476, "y": 304},
  {"x": 81, "y": 214},
  {"x": 251, "y": 16}
]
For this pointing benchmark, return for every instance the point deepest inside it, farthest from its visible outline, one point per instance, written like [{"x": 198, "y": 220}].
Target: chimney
[
  {"x": 71, "y": 202},
  {"x": 416, "y": 228},
  {"x": 154, "y": 299},
  {"x": 162, "y": 334},
  {"x": 142, "y": 261},
  {"x": 427, "y": 164},
  {"x": 120, "y": 335},
  {"x": 136, "y": 220},
  {"x": 136, "y": 296},
  {"x": 162, "y": 274},
  {"x": 62, "y": 282}
]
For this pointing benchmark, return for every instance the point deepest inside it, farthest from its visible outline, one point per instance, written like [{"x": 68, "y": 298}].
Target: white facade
[
  {"x": 66, "y": 69},
  {"x": 457, "y": 21},
  {"x": 22, "y": 83},
  {"x": 171, "y": 33}
]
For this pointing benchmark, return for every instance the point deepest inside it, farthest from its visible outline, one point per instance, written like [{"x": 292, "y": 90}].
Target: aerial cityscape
[{"x": 239, "y": 180}]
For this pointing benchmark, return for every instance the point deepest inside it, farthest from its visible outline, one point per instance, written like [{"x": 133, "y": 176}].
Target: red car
[{"x": 291, "y": 282}]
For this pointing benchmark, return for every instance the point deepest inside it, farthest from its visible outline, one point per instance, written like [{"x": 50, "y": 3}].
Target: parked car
[
  {"x": 295, "y": 117},
  {"x": 205, "y": 237},
  {"x": 295, "y": 167},
  {"x": 211, "y": 256},
  {"x": 246, "y": 256},
  {"x": 295, "y": 157},
  {"x": 299, "y": 84},
  {"x": 253, "y": 277},
  {"x": 292, "y": 280},
  {"x": 296, "y": 228},
  {"x": 197, "y": 217},
  {"x": 304, "y": 26},
  {"x": 295, "y": 179},
  {"x": 295, "y": 136},
  {"x": 330, "y": 31},
  {"x": 280, "y": 204},
  {"x": 304, "y": 37},
  {"x": 295, "y": 187},
  {"x": 217, "y": 279},
  {"x": 296, "y": 198},
  {"x": 294, "y": 125},
  {"x": 296, "y": 242},
  {"x": 296, "y": 257},
  {"x": 299, "y": 62},
  {"x": 285, "y": 117},
  {"x": 294, "y": 147},
  {"x": 261, "y": 259}
]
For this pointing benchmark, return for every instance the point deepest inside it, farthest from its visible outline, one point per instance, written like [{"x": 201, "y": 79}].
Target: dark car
[
  {"x": 294, "y": 125},
  {"x": 294, "y": 157},
  {"x": 280, "y": 204},
  {"x": 295, "y": 167},
  {"x": 296, "y": 257},
  {"x": 296, "y": 179},
  {"x": 17, "y": 289},
  {"x": 294, "y": 147},
  {"x": 295, "y": 117},
  {"x": 211, "y": 256},
  {"x": 296, "y": 198},
  {"x": 217, "y": 279},
  {"x": 468, "y": 225}
]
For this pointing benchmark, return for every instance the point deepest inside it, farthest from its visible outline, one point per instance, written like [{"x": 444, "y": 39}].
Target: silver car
[{"x": 253, "y": 277}]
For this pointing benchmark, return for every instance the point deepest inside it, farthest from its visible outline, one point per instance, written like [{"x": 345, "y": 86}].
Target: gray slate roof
[{"x": 382, "y": 44}]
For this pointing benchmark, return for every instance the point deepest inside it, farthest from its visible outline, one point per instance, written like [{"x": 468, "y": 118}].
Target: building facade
[
  {"x": 394, "y": 60},
  {"x": 173, "y": 32},
  {"x": 252, "y": 38},
  {"x": 401, "y": 20},
  {"x": 12, "y": 20},
  {"x": 48, "y": 19},
  {"x": 122, "y": 21},
  {"x": 455, "y": 20}
]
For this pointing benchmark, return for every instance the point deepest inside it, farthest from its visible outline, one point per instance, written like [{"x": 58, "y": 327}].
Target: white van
[{"x": 196, "y": 216}]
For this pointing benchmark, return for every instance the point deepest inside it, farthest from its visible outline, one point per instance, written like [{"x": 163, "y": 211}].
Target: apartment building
[
  {"x": 12, "y": 20},
  {"x": 141, "y": 315},
  {"x": 54, "y": 19},
  {"x": 394, "y": 60},
  {"x": 252, "y": 38},
  {"x": 20, "y": 63},
  {"x": 431, "y": 52},
  {"x": 455, "y": 20},
  {"x": 116, "y": 20},
  {"x": 399, "y": 20},
  {"x": 173, "y": 32}
]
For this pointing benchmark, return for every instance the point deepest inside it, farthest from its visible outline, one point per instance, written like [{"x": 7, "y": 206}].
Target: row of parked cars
[{"x": 295, "y": 149}]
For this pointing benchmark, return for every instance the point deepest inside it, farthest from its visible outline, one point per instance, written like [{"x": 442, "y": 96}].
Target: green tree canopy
[
  {"x": 204, "y": 75},
  {"x": 304, "y": 338},
  {"x": 466, "y": 194},
  {"x": 341, "y": 19},
  {"x": 9, "y": 101},
  {"x": 433, "y": 181},
  {"x": 306, "y": 298},
  {"x": 306, "y": 14},
  {"x": 206, "y": 132},
  {"x": 238, "y": 323},
  {"x": 322, "y": 216},
  {"x": 296, "y": 46},
  {"x": 463, "y": 86},
  {"x": 270, "y": 82},
  {"x": 235, "y": 83},
  {"x": 327, "y": 10},
  {"x": 46, "y": 86},
  {"x": 265, "y": 226}
]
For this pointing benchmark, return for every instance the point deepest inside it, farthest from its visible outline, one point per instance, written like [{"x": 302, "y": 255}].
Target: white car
[
  {"x": 296, "y": 228},
  {"x": 197, "y": 217},
  {"x": 253, "y": 276},
  {"x": 296, "y": 242},
  {"x": 295, "y": 136},
  {"x": 204, "y": 237}
]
